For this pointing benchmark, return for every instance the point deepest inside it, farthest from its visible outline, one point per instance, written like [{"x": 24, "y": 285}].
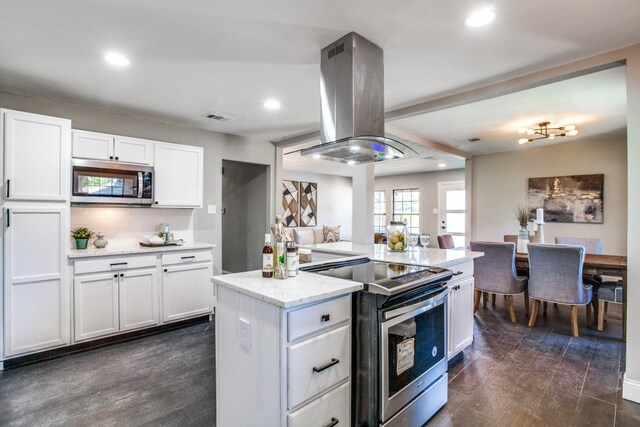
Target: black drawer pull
[
  {"x": 118, "y": 263},
  {"x": 334, "y": 421},
  {"x": 188, "y": 257},
  {"x": 110, "y": 157},
  {"x": 325, "y": 317},
  {"x": 8, "y": 218},
  {"x": 327, "y": 366},
  {"x": 8, "y": 188},
  {"x": 458, "y": 273},
  {"x": 115, "y": 276}
]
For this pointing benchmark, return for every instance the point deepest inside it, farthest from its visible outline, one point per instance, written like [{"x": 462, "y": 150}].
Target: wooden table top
[{"x": 592, "y": 260}]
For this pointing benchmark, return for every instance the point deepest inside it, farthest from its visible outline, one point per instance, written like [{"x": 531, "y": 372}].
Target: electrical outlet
[
  {"x": 244, "y": 329},
  {"x": 211, "y": 209}
]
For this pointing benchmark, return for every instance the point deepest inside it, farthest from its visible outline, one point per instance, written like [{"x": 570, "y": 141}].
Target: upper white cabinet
[
  {"x": 178, "y": 180},
  {"x": 36, "y": 157},
  {"x": 100, "y": 146}
]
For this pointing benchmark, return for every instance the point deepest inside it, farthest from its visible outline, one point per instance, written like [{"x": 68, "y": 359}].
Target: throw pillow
[
  {"x": 331, "y": 234},
  {"x": 297, "y": 237}
]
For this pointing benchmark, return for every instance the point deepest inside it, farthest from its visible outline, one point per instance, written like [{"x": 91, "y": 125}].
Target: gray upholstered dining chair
[
  {"x": 555, "y": 275},
  {"x": 591, "y": 246},
  {"x": 495, "y": 272},
  {"x": 445, "y": 241},
  {"x": 608, "y": 292},
  {"x": 513, "y": 238}
]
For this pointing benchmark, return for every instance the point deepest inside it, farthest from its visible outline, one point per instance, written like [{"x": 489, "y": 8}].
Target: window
[
  {"x": 379, "y": 212},
  {"x": 406, "y": 205}
]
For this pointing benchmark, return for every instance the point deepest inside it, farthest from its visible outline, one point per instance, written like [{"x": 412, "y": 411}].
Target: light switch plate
[
  {"x": 211, "y": 209},
  {"x": 244, "y": 331}
]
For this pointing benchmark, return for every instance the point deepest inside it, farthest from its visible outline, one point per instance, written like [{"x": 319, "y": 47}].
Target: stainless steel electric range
[{"x": 399, "y": 372}]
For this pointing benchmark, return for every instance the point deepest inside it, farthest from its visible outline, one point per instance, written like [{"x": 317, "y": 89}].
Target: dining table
[{"x": 602, "y": 265}]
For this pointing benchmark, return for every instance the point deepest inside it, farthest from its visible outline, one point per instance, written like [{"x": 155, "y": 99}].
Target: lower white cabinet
[
  {"x": 115, "y": 302},
  {"x": 186, "y": 291},
  {"x": 36, "y": 303},
  {"x": 460, "y": 302}
]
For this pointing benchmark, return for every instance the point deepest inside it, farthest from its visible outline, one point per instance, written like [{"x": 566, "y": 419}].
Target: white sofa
[{"x": 307, "y": 235}]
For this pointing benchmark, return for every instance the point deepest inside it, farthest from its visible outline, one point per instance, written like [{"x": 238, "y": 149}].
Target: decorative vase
[
  {"x": 81, "y": 243},
  {"x": 523, "y": 240},
  {"x": 100, "y": 242}
]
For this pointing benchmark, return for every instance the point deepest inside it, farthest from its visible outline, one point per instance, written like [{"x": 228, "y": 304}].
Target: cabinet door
[
  {"x": 91, "y": 145},
  {"x": 36, "y": 156},
  {"x": 36, "y": 303},
  {"x": 133, "y": 150},
  {"x": 138, "y": 299},
  {"x": 178, "y": 175},
  {"x": 186, "y": 291},
  {"x": 461, "y": 316},
  {"x": 95, "y": 305}
]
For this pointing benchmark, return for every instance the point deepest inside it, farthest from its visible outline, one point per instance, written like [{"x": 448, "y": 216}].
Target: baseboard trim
[{"x": 630, "y": 389}]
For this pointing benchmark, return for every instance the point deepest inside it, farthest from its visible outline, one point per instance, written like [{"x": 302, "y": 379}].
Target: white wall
[
  {"x": 501, "y": 179},
  {"x": 217, "y": 146},
  {"x": 334, "y": 199},
  {"x": 427, "y": 183}
]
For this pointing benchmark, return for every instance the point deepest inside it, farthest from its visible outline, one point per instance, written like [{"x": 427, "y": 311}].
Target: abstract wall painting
[
  {"x": 575, "y": 198},
  {"x": 308, "y": 204},
  {"x": 291, "y": 214}
]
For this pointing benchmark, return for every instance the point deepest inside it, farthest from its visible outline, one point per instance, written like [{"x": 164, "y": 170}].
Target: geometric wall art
[
  {"x": 575, "y": 198},
  {"x": 308, "y": 204},
  {"x": 291, "y": 215}
]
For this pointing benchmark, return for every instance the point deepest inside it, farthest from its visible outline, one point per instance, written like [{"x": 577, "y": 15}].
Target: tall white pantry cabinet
[{"x": 35, "y": 232}]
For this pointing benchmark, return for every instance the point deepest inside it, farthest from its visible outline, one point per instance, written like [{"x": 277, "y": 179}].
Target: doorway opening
[{"x": 451, "y": 211}]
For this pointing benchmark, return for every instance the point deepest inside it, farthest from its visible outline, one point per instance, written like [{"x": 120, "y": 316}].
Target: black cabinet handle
[
  {"x": 334, "y": 421},
  {"x": 8, "y": 218},
  {"x": 8, "y": 188},
  {"x": 327, "y": 366},
  {"x": 188, "y": 257},
  {"x": 110, "y": 157},
  {"x": 165, "y": 270},
  {"x": 117, "y": 158},
  {"x": 118, "y": 263},
  {"x": 325, "y": 317},
  {"x": 155, "y": 203},
  {"x": 115, "y": 276},
  {"x": 121, "y": 274}
]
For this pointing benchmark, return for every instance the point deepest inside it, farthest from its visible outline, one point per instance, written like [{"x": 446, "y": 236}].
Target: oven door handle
[{"x": 419, "y": 307}]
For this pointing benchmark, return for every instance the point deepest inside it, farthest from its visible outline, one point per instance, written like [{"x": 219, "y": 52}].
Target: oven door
[{"x": 413, "y": 350}]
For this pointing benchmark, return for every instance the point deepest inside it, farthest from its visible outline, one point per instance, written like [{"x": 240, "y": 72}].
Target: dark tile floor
[
  {"x": 511, "y": 376},
  {"x": 514, "y": 375},
  {"x": 162, "y": 380}
]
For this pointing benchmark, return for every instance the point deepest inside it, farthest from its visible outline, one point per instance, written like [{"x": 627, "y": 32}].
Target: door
[
  {"x": 36, "y": 301},
  {"x": 460, "y": 315},
  {"x": 451, "y": 211},
  {"x": 138, "y": 295},
  {"x": 95, "y": 305},
  {"x": 187, "y": 291},
  {"x": 178, "y": 175},
  {"x": 132, "y": 150},
  {"x": 36, "y": 156},
  {"x": 92, "y": 145},
  {"x": 245, "y": 200}
]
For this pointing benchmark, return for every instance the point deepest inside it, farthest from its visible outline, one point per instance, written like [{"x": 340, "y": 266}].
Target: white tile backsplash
[{"x": 127, "y": 226}]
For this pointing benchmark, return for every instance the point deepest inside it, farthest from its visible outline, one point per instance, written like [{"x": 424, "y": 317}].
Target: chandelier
[{"x": 543, "y": 131}]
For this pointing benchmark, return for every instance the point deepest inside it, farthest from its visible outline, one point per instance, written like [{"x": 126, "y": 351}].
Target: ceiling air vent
[
  {"x": 223, "y": 117},
  {"x": 474, "y": 140}
]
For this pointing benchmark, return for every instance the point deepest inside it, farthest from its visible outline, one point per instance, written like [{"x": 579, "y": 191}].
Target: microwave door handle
[{"x": 140, "y": 184}]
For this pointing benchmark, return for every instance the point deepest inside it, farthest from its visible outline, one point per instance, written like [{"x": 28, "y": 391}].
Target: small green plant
[
  {"x": 161, "y": 234},
  {"x": 522, "y": 210},
  {"x": 81, "y": 233}
]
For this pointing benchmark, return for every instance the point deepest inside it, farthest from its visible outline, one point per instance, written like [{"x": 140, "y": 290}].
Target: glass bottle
[
  {"x": 267, "y": 257},
  {"x": 397, "y": 236},
  {"x": 292, "y": 259},
  {"x": 279, "y": 250}
]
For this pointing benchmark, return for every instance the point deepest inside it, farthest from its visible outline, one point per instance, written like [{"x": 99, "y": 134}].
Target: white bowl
[{"x": 156, "y": 240}]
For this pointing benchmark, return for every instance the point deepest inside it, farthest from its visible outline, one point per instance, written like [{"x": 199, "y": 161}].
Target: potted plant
[{"x": 82, "y": 236}]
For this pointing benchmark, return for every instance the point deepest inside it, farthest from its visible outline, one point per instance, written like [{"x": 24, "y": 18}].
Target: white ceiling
[{"x": 192, "y": 57}]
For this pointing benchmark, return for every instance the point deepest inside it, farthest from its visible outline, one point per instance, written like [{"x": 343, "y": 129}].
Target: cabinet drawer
[
  {"x": 325, "y": 410},
  {"x": 98, "y": 264},
  {"x": 310, "y": 319},
  {"x": 315, "y": 365},
  {"x": 466, "y": 269},
  {"x": 184, "y": 257}
]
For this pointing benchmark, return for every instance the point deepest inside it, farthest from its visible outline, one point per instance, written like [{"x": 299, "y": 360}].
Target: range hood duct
[{"x": 352, "y": 105}]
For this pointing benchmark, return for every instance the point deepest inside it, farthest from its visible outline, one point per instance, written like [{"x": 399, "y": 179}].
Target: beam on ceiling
[
  {"x": 593, "y": 64},
  {"x": 401, "y": 135}
]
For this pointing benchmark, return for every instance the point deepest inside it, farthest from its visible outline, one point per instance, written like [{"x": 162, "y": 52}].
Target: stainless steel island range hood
[{"x": 352, "y": 105}]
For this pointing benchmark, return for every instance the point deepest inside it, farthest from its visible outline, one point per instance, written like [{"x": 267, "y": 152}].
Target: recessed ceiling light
[
  {"x": 351, "y": 162},
  {"x": 480, "y": 18},
  {"x": 442, "y": 165},
  {"x": 117, "y": 59},
  {"x": 317, "y": 156},
  {"x": 271, "y": 104}
]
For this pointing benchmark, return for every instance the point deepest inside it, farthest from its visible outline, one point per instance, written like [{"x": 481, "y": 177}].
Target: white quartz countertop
[
  {"x": 413, "y": 256},
  {"x": 294, "y": 291},
  {"x": 111, "y": 250}
]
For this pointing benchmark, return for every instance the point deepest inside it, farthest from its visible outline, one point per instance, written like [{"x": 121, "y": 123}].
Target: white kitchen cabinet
[
  {"x": 460, "y": 302},
  {"x": 114, "y": 294},
  {"x": 36, "y": 157},
  {"x": 36, "y": 303},
  {"x": 101, "y": 146},
  {"x": 178, "y": 180},
  {"x": 186, "y": 291}
]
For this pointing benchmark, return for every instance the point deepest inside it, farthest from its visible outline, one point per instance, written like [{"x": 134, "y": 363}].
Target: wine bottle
[{"x": 267, "y": 257}]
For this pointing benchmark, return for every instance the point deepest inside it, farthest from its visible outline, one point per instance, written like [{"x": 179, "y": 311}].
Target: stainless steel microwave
[{"x": 111, "y": 183}]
